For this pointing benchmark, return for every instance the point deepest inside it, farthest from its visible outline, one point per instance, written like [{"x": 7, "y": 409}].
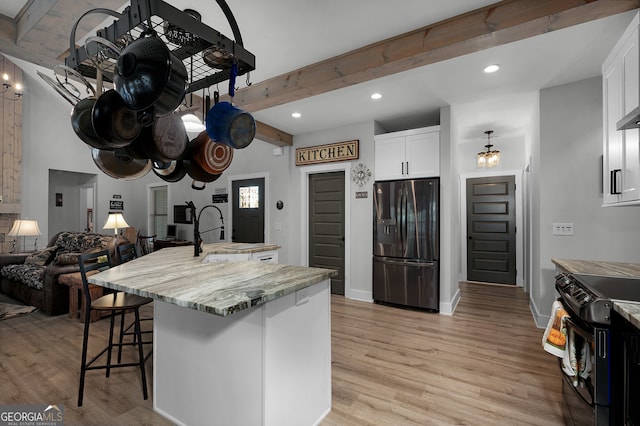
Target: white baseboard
[
  {"x": 540, "y": 319},
  {"x": 447, "y": 308},
  {"x": 361, "y": 295}
]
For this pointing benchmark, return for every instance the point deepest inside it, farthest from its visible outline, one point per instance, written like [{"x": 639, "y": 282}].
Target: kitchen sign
[{"x": 341, "y": 151}]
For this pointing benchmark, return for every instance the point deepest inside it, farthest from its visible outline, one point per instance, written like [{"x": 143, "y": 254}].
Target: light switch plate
[
  {"x": 277, "y": 226},
  {"x": 563, "y": 229}
]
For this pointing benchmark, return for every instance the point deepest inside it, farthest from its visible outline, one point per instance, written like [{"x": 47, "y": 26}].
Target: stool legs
[
  {"x": 141, "y": 353},
  {"x": 83, "y": 366},
  {"x": 137, "y": 342}
]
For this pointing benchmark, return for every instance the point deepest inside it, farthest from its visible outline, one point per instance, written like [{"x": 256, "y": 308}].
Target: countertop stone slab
[
  {"x": 175, "y": 276},
  {"x": 594, "y": 267},
  {"x": 629, "y": 310},
  {"x": 235, "y": 248}
]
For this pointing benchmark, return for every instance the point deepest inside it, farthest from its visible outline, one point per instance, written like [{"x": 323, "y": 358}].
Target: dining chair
[{"x": 116, "y": 303}]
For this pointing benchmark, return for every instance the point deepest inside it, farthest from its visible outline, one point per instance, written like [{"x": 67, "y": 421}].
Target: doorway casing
[{"x": 304, "y": 202}]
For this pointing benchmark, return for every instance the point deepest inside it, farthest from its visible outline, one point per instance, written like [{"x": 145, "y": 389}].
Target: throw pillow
[{"x": 42, "y": 257}]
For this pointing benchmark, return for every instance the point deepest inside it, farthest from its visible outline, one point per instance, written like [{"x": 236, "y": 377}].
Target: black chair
[
  {"x": 145, "y": 244},
  {"x": 116, "y": 303},
  {"x": 127, "y": 252}
]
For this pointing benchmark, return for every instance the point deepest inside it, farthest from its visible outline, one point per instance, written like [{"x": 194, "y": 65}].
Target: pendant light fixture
[{"x": 488, "y": 158}]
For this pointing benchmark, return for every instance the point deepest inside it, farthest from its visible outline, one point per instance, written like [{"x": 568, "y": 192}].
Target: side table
[{"x": 76, "y": 295}]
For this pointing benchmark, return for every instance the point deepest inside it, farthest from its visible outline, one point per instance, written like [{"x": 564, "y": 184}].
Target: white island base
[{"x": 268, "y": 365}]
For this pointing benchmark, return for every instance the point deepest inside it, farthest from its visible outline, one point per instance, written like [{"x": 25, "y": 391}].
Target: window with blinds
[{"x": 159, "y": 211}]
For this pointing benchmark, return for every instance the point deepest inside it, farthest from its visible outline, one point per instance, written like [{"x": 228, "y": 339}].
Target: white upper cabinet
[
  {"x": 621, "y": 100},
  {"x": 408, "y": 154}
]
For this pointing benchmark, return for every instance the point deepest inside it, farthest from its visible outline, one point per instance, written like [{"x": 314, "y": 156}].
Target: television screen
[{"x": 181, "y": 214}]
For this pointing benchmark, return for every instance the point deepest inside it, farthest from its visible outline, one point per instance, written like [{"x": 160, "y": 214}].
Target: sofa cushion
[
  {"x": 42, "y": 257},
  {"x": 71, "y": 244},
  {"x": 26, "y": 273}
]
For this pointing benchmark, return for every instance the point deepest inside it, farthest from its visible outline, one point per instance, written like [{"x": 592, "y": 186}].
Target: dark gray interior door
[
  {"x": 248, "y": 211},
  {"x": 491, "y": 229},
  {"x": 326, "y": 225}
]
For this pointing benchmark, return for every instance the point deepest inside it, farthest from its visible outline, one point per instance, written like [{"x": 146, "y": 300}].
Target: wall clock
[{"x": 360, "y": 174}]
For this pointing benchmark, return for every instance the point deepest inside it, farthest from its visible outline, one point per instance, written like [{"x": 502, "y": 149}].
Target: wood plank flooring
[{"x": 390, "y": 366}]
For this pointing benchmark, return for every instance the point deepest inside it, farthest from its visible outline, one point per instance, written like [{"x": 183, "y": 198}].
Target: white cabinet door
[
  {"x": 621, "y": 96},
  {"x": 612, "y": 145},
  {"x": 390, "y": 158},
  {"x": 630, "y": 65},
  {"x": 423, "y": 155}
]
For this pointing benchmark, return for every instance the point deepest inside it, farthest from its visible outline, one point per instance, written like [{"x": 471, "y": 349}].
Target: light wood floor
[{"x": 483, "y": 365}]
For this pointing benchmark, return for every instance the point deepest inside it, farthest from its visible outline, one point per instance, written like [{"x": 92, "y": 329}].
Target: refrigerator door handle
[{"x": 419, "y": 264}]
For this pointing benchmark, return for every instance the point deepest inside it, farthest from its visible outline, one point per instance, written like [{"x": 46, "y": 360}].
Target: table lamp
[
  {"x": 115, "y": 221},
  {"x": 24, "y": 228}
]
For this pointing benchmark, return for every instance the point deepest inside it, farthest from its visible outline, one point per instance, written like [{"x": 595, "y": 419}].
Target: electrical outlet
[
  {"x": 277, "y": 226},
  {"x": 563, "y": 229}
]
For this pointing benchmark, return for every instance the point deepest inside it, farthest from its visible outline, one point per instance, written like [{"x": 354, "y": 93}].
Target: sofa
[{"x": 33, "y": 278}]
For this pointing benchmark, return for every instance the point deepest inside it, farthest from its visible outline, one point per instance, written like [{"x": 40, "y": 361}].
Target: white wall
[
  {"x": 570, "y": 190},
  {"x": 360, "y": 220}
]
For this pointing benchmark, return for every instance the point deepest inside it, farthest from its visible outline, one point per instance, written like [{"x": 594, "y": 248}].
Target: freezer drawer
[{"x": 406, "y": 282}]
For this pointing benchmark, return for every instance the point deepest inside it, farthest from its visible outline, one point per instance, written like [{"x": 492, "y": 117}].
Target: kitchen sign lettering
[{"x": 330, "y": 153}]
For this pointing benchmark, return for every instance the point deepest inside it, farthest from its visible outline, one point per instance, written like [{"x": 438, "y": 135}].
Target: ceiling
[{"x": 286, "y": 35}]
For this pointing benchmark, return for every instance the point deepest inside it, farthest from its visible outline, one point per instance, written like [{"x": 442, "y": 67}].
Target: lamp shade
[
  {"x": 24, "y": 228},
  {"x": 115, "y": 221}
]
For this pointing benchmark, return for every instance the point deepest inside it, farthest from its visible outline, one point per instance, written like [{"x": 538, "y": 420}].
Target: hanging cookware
[
  {"x": 119, "y": 165},
  {"x": 196, "y": 173},
  {"x": 147, "y": 74},
  {"x": 169, "y": 141},
  {"x": 136, "y": 148},
  {"x": 82, "y": 123},
  {"x": 114, "y": 123},
  {"x": 230, "y": 125},
  {"x": 103, "y": 54},
  {"x": 173, "y": 172},
  {"x": 65, "y": 75},
  {"x": 68, "y": 96},
  {"x": 211, "y": 156}
]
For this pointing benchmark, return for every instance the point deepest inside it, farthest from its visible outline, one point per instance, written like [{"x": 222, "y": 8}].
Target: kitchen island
[{"x": 235, "y": 343}]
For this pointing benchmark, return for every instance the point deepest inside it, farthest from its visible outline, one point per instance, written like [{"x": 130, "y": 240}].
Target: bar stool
[
  {"x": 126, "y": 253},
  {"x": 116, "y": 303}
]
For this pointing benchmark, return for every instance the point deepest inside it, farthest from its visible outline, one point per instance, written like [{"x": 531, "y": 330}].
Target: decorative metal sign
[
  {"x": 116, "y": 205},
  {"x": 362, "y": 194},
  {"x": 341, "y": 151}
]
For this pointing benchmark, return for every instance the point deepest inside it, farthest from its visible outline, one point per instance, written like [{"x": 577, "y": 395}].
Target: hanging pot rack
[{"x": 144, "y": 16}]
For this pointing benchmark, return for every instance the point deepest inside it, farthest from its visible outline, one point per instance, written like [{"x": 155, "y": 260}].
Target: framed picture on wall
[{"x": 116, "y": 205}]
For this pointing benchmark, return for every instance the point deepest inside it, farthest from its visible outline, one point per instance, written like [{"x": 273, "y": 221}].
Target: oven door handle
[{"x": 587, "y": 335}]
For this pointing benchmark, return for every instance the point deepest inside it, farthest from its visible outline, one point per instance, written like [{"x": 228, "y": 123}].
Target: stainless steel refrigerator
[{"x": 406, "y": 243}]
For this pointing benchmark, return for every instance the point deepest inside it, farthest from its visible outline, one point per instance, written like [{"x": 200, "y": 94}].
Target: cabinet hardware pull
[
  {"x": 407, "y": 167},
  {"x": 614, "y": 181},
  {"x": 402, "y": 168}
]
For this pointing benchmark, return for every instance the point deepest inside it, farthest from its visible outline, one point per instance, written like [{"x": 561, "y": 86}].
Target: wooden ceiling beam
[{"x": 495, "y": 25}]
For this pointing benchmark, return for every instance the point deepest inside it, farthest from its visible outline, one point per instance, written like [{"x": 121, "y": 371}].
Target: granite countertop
[
  {"x": 175, "y": 276},
  {"x": 236, "y": 248},
  {"x": 595, "y": 267},
  {"x": 629, "y": 310}
]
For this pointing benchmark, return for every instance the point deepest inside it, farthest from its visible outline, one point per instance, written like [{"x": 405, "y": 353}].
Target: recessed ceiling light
[
  {"x": 376, "y": 96},
  {"x": 296, "y": 115},
  {"x": 491, "y": 68}
]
